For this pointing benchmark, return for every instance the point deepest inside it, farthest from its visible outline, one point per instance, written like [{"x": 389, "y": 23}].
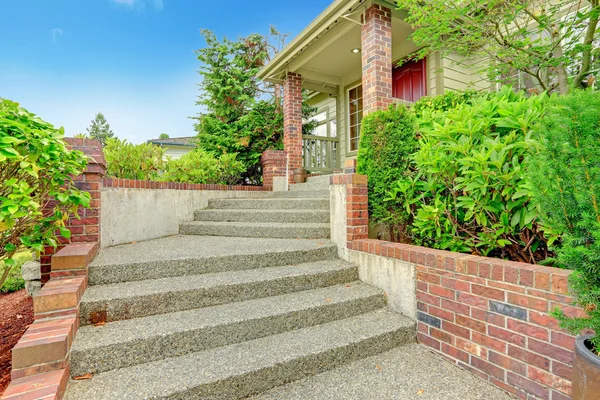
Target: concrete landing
[{"x": 399, "y": 374}]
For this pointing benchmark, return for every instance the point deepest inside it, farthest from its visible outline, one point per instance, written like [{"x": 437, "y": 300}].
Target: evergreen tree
[{"x": 100, "y": 129}]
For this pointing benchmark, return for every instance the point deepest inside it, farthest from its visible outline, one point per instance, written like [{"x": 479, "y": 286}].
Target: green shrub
[
  {"x": 202, "y": 167},
  {"x": 566, "y": 178},
  {"x": 14, "y": 282},
  {"x": 386, "y": 144},
  {"x": 470, "y": 192},
  {"x": 446, "y": 101},
  {"x": 129, "y": 161},
  {"x": 35, "y": 168}
]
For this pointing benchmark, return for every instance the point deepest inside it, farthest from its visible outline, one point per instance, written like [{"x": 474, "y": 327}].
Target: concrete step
[
  {"x": 126, "y": 343},
  {"x": 194, "y": 255},
  {"x": 122, "y": 301},
  {"x": 322, "y": 193},
  {"x": 271, "y": 204},
  {"x": 404, "y": 373},
  {"x": 313, "y": 183},
  {"x": 240, "y": 370},
  {"x": 282, "y": 216},
  {"x": 257, "y": 229}
]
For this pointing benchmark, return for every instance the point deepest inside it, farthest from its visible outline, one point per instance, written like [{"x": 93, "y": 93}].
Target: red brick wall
[
  {"x": 292, "y": 121},
  {"x": 377, "y": 59},
  {"x": 138, "y": 184},
  {"x": 273, "y": 164},
  {"x": 87, "y": 228},
  {"x": 491, "y": 317}
]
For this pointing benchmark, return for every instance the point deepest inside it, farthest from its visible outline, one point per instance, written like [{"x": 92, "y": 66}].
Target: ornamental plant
[
  {"x": 566, "y": 179},
  {"x": 200, "y": 166},
  {"x": 130, "y": 161},
  {"x": 37, "y": 193},
  {"x": 386, "y": 145},
  {"x": 470, "y": 191}
]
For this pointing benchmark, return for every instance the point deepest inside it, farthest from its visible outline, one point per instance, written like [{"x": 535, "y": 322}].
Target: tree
[
  {"x": 100, "y": 129},
  {"x": 552, "y": 42},
  {"x": 163, "y": 136}
]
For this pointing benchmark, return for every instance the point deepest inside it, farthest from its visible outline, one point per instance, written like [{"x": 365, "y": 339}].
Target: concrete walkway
[{"x": 404, "y": 373}]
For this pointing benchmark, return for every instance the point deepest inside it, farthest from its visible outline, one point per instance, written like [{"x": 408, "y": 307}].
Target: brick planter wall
[
  {"x": 491, "y": 316},
  {"x": 273, "y": 164}
]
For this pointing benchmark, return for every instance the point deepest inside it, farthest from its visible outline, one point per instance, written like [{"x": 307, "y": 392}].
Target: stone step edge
[{"x": 40, "y": 366}]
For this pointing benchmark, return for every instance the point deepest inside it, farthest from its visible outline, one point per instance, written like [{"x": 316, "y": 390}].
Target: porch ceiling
[{"x": 328, "y": 56}]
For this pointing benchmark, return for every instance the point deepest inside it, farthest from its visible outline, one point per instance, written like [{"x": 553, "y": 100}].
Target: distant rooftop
[{"x": 181, "y": 141}]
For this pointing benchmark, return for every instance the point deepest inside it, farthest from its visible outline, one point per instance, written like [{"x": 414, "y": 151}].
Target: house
[
  {"x": 350, "y": 59},
  {"x": 175, "y": 147}
]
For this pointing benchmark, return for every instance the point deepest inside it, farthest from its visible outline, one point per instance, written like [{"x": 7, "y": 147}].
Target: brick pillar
[
  {"x": 377, "y": 59},
  {"x": 273, "y": 164},
  {"x": 86, "y": 229},
  {"x": 292, "y": 121}
]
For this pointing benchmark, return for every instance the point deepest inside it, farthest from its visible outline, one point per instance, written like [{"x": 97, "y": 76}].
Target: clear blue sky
[{"x": 133, "y": 60}]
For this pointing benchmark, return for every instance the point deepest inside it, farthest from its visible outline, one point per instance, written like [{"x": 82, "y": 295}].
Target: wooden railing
[{"x": 321, "y": 154}]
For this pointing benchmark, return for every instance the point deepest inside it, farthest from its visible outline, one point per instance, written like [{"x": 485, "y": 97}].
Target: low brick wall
[
  {"x": 140, "y": 184},
  {"x": 491, "y": 316}
]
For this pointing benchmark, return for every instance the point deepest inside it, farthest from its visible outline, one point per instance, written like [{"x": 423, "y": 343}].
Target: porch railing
[{"x": 321, "y": 153}]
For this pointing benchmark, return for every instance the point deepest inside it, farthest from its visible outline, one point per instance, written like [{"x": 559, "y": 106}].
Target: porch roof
[{"x": 322, "y": 52}]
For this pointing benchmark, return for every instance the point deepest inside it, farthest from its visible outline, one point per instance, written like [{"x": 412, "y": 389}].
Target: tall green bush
[
  {"x": 566, "y": 182},
  {"x": 446, "y": 101},
  {"x": 470, "y": 193},
  {"x": 130, "y": 161},
  {"x": 386, "y": 144},
  {"x": 37, "y": 193},
  {"x": 200, "y": 166}
]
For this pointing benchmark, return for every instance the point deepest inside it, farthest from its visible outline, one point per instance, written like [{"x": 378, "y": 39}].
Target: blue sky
[{"x": 133, "y": 60}]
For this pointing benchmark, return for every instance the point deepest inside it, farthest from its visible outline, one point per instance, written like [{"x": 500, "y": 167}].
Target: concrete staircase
[
  {"x": 301, "y": 215},
  {"x": 223, "y": 318}
]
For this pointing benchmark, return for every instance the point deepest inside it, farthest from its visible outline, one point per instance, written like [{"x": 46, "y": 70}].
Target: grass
[{"x": 15, "y": 281}]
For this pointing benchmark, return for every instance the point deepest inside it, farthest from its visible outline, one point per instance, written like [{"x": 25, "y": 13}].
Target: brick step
[
  {"x": 284, "y": 216},
  {"x": 271, "y": 204},
  {"x": 240, "y": 370},
  {"x": 195, "y": 255},
  {"x": 122, "y": 301},
  {"x": 257, "y": 229},
  {"x": 126, "y": 343}
]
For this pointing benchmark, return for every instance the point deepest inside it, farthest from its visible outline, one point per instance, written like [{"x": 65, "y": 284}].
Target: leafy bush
[
  {"x": 14, "y": 281},
  {"x": 470, "y": 192},
  {"x": 386, "y": 144},
  {"x": 446, "y": 101},
  {"x": 35, "y": 168},
  {"x": 202, "y": 167},
  {"x": 129, "y": 161},
  {"x": 566, "y": 178}
]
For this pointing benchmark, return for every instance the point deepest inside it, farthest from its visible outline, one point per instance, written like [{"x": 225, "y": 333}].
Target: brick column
[
  {"x": 292, "y": 121},
  {"x": 273, "y": 164},
  {"x": 86, "y": 229},
  {"x": 377, "y": 59}
]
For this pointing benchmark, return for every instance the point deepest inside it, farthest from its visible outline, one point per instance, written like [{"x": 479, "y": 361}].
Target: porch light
[{"x": 355, "y": 51}]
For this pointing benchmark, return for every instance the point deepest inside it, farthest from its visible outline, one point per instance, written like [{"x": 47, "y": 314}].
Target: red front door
[{"x": 409, "y": 81}]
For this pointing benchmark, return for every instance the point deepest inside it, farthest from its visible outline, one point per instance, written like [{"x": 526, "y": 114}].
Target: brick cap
[
  {"x": 74, "y": 256},
  {"x": 41, "y": 386}
]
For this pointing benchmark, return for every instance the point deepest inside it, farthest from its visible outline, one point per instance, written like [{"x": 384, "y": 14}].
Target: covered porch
[{"x": 347, "y": 60}]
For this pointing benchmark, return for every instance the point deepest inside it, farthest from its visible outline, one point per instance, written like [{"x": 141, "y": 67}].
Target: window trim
[{"x": 349, "y": 150}]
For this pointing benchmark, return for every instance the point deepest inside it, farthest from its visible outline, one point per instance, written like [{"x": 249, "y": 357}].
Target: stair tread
[
  {"x": 196, "y": 282},
  {"x": 262, "y": 224},
  {"x": 175, "y": 376},
  {"x": 260, "y": 211},
  {"x": 90, "y": 337}
]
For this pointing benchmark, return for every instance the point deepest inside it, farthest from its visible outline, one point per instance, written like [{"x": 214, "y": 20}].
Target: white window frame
[{"x": 348, "y": 124}]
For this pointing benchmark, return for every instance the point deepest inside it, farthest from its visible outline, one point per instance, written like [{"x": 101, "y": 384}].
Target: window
[{"x": 355, "y": 115}]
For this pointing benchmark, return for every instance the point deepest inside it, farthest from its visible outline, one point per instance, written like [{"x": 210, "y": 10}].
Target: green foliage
[
  {"x": 163, "y": 136},
  {"x": 14, "y": 281},
  {"x": 534, "y": 37},
  {"x": 566, "y": 178},
  {"x": 469, "y": 192},
  {"x": 446, "y": 101},
  {"x": 200, "y": 166},
  {"x": 35, "y": 167},
  {"x": 387, "y": 141},
  {"x": 100, "y": 129},
  {"x": 129, "y": 161}
]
